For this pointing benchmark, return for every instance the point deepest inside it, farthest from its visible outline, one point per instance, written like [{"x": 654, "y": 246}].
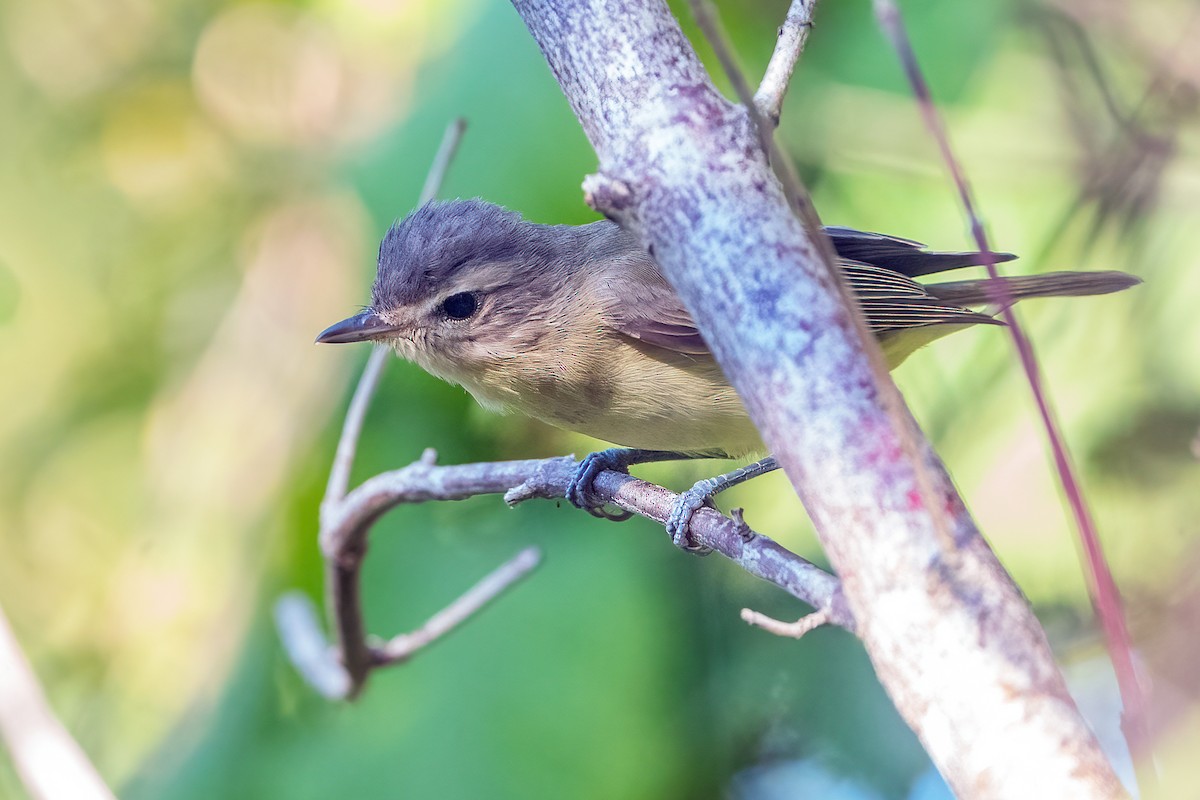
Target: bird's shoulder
[{"x": 638, "y": 302}]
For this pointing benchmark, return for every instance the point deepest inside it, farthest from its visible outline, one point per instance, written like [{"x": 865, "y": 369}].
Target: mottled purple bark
[{"x": 952, "y": 639}]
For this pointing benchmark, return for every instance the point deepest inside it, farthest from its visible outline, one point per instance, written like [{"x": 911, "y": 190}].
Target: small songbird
[{"x": 578, "y": 327}]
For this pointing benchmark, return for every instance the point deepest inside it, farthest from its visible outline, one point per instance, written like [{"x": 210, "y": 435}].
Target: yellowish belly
[{"x": 637, "y": 396}]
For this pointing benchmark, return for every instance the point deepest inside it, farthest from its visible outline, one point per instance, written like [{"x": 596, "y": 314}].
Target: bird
[{"x": 577, "y": 326}]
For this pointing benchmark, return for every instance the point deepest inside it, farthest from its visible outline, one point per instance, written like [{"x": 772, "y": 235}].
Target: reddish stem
[{"x": 1102, "y": 588}]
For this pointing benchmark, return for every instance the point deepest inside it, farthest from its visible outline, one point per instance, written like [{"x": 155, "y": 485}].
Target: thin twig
[
  {"x": 793, "y": 35},
  {"x": 50, "y": 762},
  {"x": 343, "y": 460},
  {"x": 791, "y": 630},
  {"x": 549, "y": 478},
  {"x": 401, "y": 648},
  {"x": 709, "y": 23},
  {"x": 441, "y": 162},
  {"x": 299, "y": 628},
  {"x": 1103, "y": 589}
]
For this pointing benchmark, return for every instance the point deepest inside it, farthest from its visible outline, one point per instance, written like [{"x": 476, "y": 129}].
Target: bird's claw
[
  {"x": 679, "y": 521},
  {"x": 581, "y": 491}
]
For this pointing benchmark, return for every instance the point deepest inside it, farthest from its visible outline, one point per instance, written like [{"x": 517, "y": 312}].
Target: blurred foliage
[{"x": 190, "y": 191}]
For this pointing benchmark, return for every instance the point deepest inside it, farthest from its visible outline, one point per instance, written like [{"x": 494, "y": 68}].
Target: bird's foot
[
  {"x": 581, "y": 492},
  {"x": 679, "y": 521}
]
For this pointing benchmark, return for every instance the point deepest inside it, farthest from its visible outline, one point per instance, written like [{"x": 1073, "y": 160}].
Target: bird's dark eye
[{"x": 460, "y": 306}]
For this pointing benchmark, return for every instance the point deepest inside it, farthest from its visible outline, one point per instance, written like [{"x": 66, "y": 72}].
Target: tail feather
[
  {"x": 1019, "y": 287},
  {"x": 901, "y": 255}
]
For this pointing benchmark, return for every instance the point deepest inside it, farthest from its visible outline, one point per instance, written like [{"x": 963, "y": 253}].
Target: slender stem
[
  {"x": 343, "y": 460},
  {"x": 343, "y": 566},
  {"x": 471, "y": 602},
  {"x": 1102, "y": 587},
  {"x": 793, "y": 35},
  {"x": 441, "y": 162}
]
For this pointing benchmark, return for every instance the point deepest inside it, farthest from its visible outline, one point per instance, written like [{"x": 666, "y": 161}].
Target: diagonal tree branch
[
  {"x": 952, "y": 639},
  {"x": 798, "y": 198}
]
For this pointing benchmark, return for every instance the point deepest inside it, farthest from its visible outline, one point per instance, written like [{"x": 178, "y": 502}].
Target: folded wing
[{"x": 890, "y": 301}]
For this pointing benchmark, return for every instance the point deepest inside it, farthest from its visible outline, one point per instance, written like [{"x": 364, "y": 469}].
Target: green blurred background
[{"x": 190, "y": 191}]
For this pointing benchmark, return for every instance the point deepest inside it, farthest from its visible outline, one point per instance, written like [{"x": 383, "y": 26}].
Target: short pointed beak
[{"x": 362, "y": 327}]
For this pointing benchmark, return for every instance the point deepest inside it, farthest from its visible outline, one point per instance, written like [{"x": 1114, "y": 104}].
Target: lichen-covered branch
[{"x": 952, "y": 639}]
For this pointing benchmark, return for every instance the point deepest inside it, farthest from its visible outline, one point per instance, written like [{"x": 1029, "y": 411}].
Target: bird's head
[{"x": 460, "y": 287}]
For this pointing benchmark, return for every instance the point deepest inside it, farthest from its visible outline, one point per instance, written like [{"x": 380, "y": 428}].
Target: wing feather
[
  {"x": 891, "y": 302},
  {"x": 900, "y": 255},
  {"x": 655, "y": 315}
]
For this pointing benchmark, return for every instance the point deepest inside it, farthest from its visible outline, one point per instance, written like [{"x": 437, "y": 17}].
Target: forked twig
[
  {"x": 549, "y": 478},
  {"x": 300, "y": 628},
  {"x": 345, "y": 540}
]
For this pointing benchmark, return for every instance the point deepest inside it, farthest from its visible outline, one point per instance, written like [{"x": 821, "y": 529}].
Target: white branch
[{"x": 791, "y": 630}]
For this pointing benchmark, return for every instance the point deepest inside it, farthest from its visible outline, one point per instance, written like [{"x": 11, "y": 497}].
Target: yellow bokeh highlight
[
  {"x": 70, "y": 48},
  {"x": 159, "y": 151}
]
